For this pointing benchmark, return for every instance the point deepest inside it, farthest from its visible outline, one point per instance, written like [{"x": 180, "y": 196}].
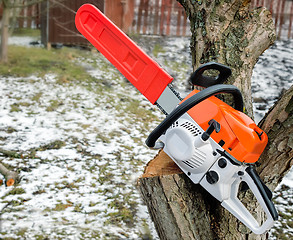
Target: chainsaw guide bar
[
  {"x": 143, "y": 72},
  {"x": 214, "y": 144}
]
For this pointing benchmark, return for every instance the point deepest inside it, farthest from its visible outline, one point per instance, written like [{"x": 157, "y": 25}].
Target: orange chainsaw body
[{"x": 239, "y": 135}]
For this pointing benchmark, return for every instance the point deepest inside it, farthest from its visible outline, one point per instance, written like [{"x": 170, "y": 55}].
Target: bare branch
[
  {"x": 68, "y": 30},
  {"x": 63, "y": 6}
]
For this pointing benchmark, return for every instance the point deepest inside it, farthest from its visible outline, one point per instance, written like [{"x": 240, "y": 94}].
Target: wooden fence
[
  {"x": 58, "y": 24},
  {"x": 282, "y": 12},
  {"x": 167, "y": 17},
  {"x": 160, "y": 17},
  {"x": 154, "y": 17},
  {"x": 29, "y": 17}
]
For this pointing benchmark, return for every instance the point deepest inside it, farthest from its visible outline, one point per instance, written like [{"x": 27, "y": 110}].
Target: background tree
[
  {"x": 230, "y": 33},
  {"x": 11, "y": 9}
]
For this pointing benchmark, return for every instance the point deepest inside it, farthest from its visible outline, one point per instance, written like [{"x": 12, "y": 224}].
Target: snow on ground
[
  {"x": 23, "y": 41},
  {"x": 83, "y": 147},
  {"x": 82, "y": 153}
]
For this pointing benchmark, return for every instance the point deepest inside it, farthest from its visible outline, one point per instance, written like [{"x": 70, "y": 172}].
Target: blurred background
[{"x": 73, "y": 129}]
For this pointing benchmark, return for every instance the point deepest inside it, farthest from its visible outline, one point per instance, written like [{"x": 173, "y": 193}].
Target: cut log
[
  {"x": 11, "y": 177},
  {"x": 162, "y": 164}
]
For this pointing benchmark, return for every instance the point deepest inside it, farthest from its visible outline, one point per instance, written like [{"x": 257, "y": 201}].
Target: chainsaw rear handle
[
  {"x": 191, "y": 102},
  {"x": 198, "y": 79},
  {"x": 264, "y": 191},
  {"x": 263, "y": 196}
]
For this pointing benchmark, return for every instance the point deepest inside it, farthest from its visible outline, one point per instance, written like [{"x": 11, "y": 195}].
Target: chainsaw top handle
[
  {"x": 191, "y": 102},
  {"x": 198, "y": 79}
]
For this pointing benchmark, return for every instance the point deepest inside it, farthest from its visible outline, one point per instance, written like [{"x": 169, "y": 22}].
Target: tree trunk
[
  {"x": 228, "y": 32},
  {"x": 4, "y": 34},
  {"x": 277, "y": 159},
  {"x": 10, "y": 9},
  {"x": 225, "y": 32}
]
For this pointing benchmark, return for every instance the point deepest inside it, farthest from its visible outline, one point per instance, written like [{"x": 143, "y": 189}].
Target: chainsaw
[{"x": 214, "y": 144}]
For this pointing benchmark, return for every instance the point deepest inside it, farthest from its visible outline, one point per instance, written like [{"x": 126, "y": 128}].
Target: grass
[
  {"x": 16, "y": 191},
  {"x": 26, "y": 32},
  {"x": 37, "y": 97},
  {"x": 61, "y": 206},
  {"x": 158, "y": 49},
  {"x": 54, "y": 104},
  {"x": 177, "y": 66},
  {"x": 15, "y": 108},
  {"x": 24, "y": 62}
]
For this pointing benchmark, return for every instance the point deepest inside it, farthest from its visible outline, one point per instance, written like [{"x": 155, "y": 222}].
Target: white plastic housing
[
  {"x": 197, "y": 158},
  {"x": 184, "y": 145}
]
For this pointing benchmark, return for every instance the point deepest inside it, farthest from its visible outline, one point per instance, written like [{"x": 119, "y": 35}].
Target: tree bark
[
  {"x": 4, "y": 33},
  {"x": 7, "y": 6},
  {"x": 277, "y": 158},
  {"x": 228, "y": 32},
  {"x": 225, "y": 32}
]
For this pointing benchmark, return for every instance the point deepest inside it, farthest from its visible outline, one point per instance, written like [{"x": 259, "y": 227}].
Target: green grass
[
  {"x": 23, "y": 62},
  {"x": 158, "y": 49},
  {"x": 177, "y": 66},
  {"x": 16, "y": 191},
  {"x": 27, "y": 32}
]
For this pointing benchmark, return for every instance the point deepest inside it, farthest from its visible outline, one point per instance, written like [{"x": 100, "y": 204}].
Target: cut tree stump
[
  {"x": 173, "y": 201},
  {"x": 179, "y": 208}
]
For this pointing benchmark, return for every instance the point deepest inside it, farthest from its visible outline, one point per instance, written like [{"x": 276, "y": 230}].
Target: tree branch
[
  {"x": 8, "y": 153},
  {"x": 277, "y": 158},
  {"x": 63, "y": 6}
]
